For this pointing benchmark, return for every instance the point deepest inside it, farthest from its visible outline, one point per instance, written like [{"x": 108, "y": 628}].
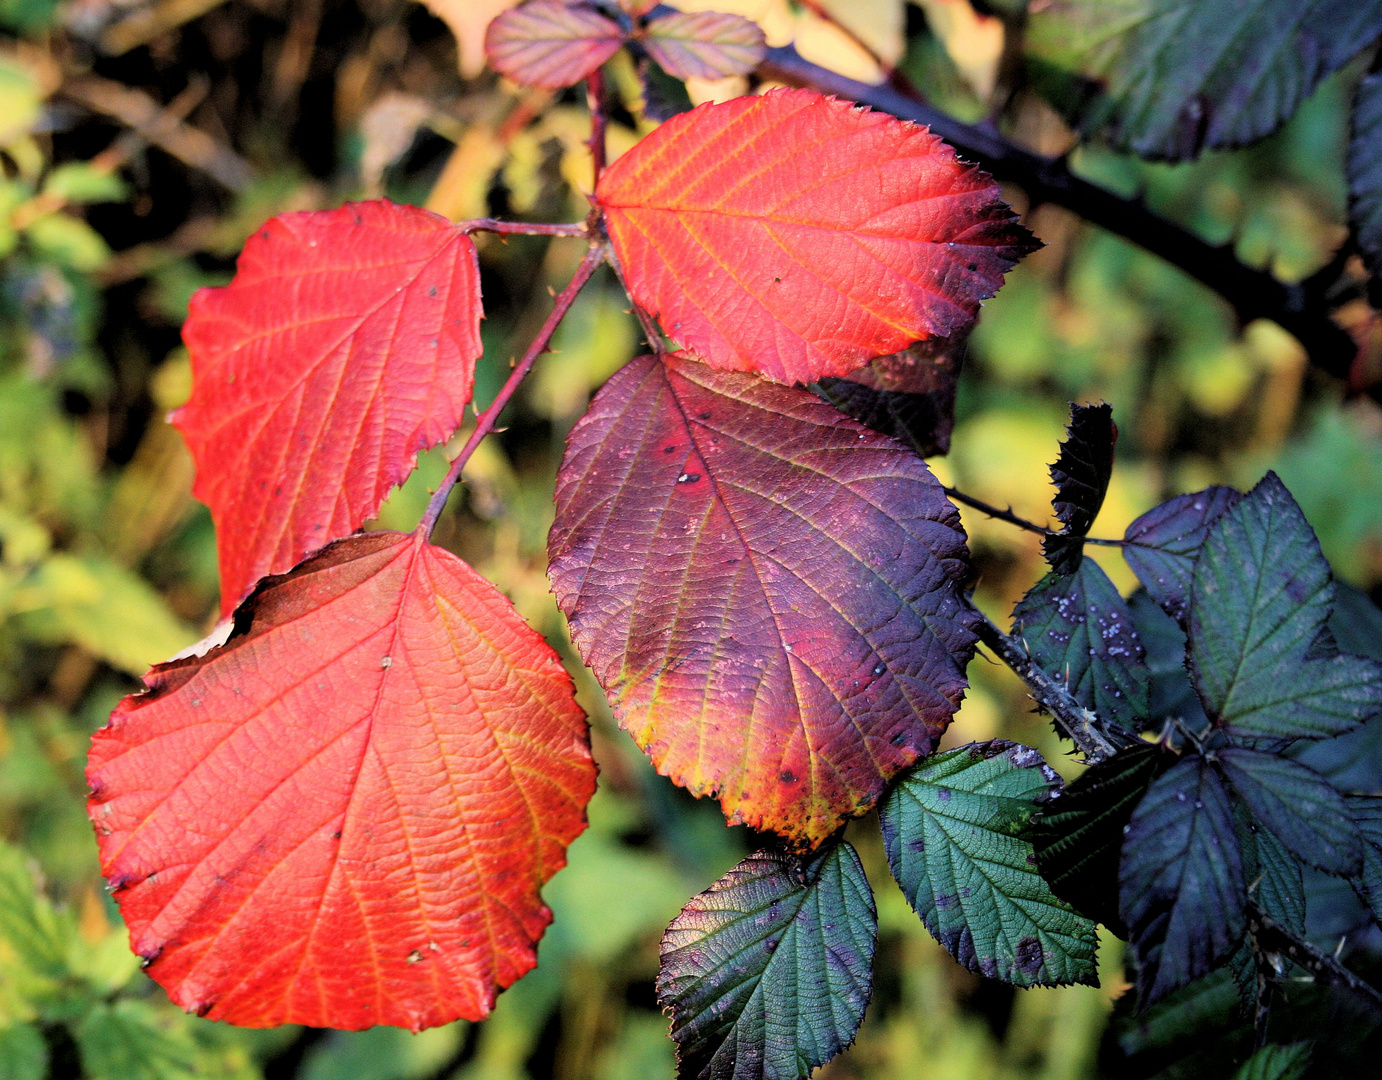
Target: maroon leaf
[
  {"x": 548, "y": 43},
  {"x": 768, "y": 591},
  {"x": 705, "y": 44},
  {"x": 1081, "y": 474}
]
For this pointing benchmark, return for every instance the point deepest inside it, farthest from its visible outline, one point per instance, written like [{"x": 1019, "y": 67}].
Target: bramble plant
[{"x": 339, "y": 809}]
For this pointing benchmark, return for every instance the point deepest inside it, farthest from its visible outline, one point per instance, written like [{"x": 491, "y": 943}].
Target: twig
[
  {"x": 523, "y": 228},
  {"x": 595, "y": 95},
  {"x": 137, "y": 110},
  {"x": 1097, "y": 740},
  {"x": 1301, "y": 309},
  {"x": 1022, "y": 523},
  {"x": 484, "y": 424},
  {"x": 1280, "y": 939}
]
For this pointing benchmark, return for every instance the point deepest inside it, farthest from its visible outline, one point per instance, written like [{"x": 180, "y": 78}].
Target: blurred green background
[{"x": 140, "y": 142}]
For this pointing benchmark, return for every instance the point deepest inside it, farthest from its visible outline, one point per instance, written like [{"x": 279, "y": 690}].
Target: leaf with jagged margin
[
  {"x": 1261, "y": 594},
  {"x": 1081, "y": 474},
  {"x": 1367, "y": 812},
  {"x": 1275, "y": 884},
  {"x": 767, "y": 973},
  {"x": 1161, "y": 545},
  {"x": 956, "y": 834},
  {"x": 1172, "y": 696},
  {"x": 1182, "y": 893},
  {"x": 1078, "y": 838},
  {"x": 1170, "y": 78},
  {"x": 1081, "y": 632},
  {"x": 1364, "y": 171},
  {"x": 1300, "y": 807}
]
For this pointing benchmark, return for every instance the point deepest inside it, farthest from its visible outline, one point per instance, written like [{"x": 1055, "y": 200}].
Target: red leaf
[
  {"x": 343, "y": 816},
  {"x": 767, "y": 591},
  {"x": 799, "y": 236},
  {"x": 344, "y": 346},
  {"x": 705, "y": 44},
  {"x": 548, "y": 43}
]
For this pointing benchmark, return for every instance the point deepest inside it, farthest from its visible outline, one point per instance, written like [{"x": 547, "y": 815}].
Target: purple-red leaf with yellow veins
[
  {"x": 767, "y": 591},
  {"x": 704, "y": 44},
  {"x": 549, "y": 43},
  {"x": 800, "y": 236}
]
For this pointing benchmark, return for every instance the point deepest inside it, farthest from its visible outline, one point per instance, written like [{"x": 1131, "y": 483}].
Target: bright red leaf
[
  {"x": 768, "y": 591},
  {"x": 800, "y": 236},
  {"x": 704, "y": 44},
  {"x": 343, "y": 816},
  {"x": 344, "y": 346},
  {"x": 549, "y": 43}
]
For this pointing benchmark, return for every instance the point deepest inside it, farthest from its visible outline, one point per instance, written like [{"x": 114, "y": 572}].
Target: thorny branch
[
  {"x": 1007, "y": 515},
  {"x": 1302, "y": 309}
]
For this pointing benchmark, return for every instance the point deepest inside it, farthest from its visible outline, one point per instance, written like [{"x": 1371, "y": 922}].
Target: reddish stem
[
  {"x": 485, "y": 423},
  {"x": 522, "y": 228},
  {"x": 595, "y": 96}
]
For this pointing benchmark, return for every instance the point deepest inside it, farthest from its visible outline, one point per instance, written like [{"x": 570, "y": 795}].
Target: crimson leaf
[
  {"x": 342, "y": 817},
  {"x": 767, "y": 591}
]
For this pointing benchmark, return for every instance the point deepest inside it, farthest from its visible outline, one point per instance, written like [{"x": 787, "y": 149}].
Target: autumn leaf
[
  {"x": 345, "y": 345},
  {"x": 704, "y": 44},
  {"x": 551, "y": 44},
  {"x": 767, "y": 591},
  {"x": 799, "y": 236},
  {"x": 343, "y": 816}
]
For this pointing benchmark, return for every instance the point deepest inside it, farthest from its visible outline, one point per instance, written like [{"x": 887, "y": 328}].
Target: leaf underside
[
  {"x": 767, "y": 973},
  {"x": 343, "y": 816},
  {"x": 1080, "y": 630},
  {"x": 1081, "y": 474},
  {"x": 1169, "y": 78},
  {"x": 798, "y": 236},
  {"x": 550, "y": 44},
  {"x": 1182, "y": 893},
  {"x": 955, "y": 830},
  {"x": 1260, "y": 597},
  {"x": 704, "y": 44},
  {"x": 345, "y": 345},
  {"x": 767, "y": 591}
]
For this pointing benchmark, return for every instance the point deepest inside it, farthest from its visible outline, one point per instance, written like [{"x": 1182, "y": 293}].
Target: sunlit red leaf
[
  {"x": 346, "y": 344},
  {"x": 799, "y": 236},
  {"x": 343, "y": 816},
  {"x": 704, "y": 44},
  {"x": 767, "y": 590},
  {"x": 549, "y": 43}
]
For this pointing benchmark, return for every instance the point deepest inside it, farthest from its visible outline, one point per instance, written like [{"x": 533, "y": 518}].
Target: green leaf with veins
[
  {"x": 1261, "y": 594},
  {"x": 767, "y": 973},
  {"x": 1081, "y": 632},
  {"x": 956, "y": 835}
]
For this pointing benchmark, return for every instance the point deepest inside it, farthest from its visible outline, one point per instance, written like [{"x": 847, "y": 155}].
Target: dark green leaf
[
  {"x": 767, "y": 973},
  {"x": 955, "y": 831},
  {"x": 23, "y": 1053},
  {"x": 1273, "y": 876},
  {"x": 1162, "y": 544},
  {"x": 1078, "y": 837},
  {"x": 130, "y": 1040},
  {"x": 1194, "y": 1033},
  {"x": 1276, "y": 1063},
  {"x": 1172, "y": 696},
  {"x": 663, "y": 96},
  {"x": 1081, "y": 474},
  {"x": 1169, "y": 78},
  {"x": 1261, "y": 595},
  {"x": 1367, "y": 812},
  {"x": 1301, "y": 808},
  {"x": 909, "y": 395},
  {"x": 1365, "y": 171},
  {"x": 1079, "y": 629},
  {"x": 1181, "y": 889}
]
